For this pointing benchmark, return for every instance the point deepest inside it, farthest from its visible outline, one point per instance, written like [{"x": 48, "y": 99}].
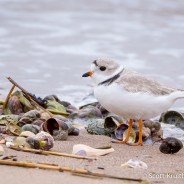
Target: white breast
[{"x": 131, "y": 105}]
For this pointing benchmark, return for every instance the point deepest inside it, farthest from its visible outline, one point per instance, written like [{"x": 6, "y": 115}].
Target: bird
[{"x": 130, "y": 94}]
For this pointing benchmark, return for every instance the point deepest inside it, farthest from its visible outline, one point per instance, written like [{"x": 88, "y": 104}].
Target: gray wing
[{"x": 135, "y": 82}]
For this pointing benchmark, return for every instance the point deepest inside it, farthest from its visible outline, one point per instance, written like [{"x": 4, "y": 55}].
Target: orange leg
[
  {"x": 128, "y": 134},
  {"x": 140, "y": 135}
]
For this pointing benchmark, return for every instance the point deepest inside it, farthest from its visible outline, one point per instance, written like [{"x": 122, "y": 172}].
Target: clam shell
[
  {"x": 121, "y": 132},
  {"x": 136, "y": 164},
  {"x": 27, "y": 134},
  {"x": 32, "y": 128},
  {"x": 45, "y": 139},
  {"x": 171, "y": 145}
]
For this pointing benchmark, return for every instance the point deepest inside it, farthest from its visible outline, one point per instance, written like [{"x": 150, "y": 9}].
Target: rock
[
  {"x": 1, "y": 150},
  {"x": 170, "y": 145},
  {"x": 27, "y": 134}
]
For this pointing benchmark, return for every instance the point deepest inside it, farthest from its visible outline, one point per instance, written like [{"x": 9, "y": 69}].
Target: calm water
[{"x": 46, "y": 45}]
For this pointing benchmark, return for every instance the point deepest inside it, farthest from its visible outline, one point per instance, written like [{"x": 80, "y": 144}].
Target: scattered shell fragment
[
  {"x": 27, "y": 134},
  {"x": 170, "y": 145},
  {"x": 84, "y": 150},
  {"x": 32, "y": 128},
  {"x": 121, "y": 132},
  {"x": 136, "y": 164}
]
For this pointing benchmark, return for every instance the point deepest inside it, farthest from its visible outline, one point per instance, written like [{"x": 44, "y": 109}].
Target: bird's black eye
[{"x": 102, "y": 68}]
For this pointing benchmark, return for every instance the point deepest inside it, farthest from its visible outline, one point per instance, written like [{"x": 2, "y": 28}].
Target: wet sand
[{"x": 161, "y": 167}]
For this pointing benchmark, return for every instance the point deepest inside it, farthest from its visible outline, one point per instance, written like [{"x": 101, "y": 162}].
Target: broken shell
[
  {"x": 46, "y": 141},
  {"x": 171, "y": 117},
  {"x": 32, "y": 128},
  {"x": 27, "y": 134},
  {"x": 21, "y": 141},
  {"x": 84, "y": 150},
  {"x": 170, "y": 145},
  {"x": 14, "y": 105},
  {"x": 134, "y": 163},
  {"x": 54, "y": 126},
  {"x": 119, "y": 131},
  {"x": 111, "y": 123}
]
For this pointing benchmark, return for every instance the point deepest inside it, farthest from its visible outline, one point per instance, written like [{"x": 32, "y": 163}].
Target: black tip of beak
[{"x": 86, "y": 74}]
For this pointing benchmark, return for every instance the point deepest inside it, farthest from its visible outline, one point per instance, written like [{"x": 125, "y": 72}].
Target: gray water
[{"x": 46, "y": 45}]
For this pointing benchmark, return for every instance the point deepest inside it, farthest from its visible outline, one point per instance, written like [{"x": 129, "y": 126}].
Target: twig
[
  {"x": 8, "y": 97},
  {"x": 49, "y": 153},
  {"x": 67, "y": 169},
  {"x": 28, "y": 96}
]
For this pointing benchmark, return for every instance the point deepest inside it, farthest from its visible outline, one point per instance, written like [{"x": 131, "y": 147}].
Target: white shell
[
  {"x": 8, "y": 144},
  {"x": 27, "y": 134},
  {"x": 81, "y": 149},
  {"x": 134, "y": 163}
]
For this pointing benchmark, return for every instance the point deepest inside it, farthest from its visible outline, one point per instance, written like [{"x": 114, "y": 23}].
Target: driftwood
[
  {"x": 43, "y": 152},
  {"x": 78, "y": 172}
]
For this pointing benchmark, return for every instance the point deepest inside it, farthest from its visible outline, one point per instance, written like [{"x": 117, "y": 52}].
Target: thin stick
[
  {"x": 67, "y": 169},
  {"x": 8, "y": 97},
  {"x": 28, "y": 96},
  {"x": 49, "y": 153}
]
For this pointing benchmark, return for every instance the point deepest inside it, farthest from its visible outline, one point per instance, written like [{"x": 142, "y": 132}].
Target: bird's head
[{"x": 103, "y": 69}]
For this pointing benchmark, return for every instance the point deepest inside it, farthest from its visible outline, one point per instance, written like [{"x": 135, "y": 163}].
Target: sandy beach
[{"x": 162, "y": 168}]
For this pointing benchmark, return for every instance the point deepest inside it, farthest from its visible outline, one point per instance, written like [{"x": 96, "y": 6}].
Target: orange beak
[{"x": 88, "y": 74}]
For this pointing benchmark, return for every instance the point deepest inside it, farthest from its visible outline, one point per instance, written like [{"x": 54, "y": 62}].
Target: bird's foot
[
  {"x": 139, "y": 143},
  {"x": 119, "y": 142}
]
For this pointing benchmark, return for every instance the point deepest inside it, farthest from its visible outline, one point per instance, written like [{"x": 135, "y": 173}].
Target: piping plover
[{"x": 130, "y": 94}]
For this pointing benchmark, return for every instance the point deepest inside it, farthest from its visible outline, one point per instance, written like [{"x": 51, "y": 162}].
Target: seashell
[
  {"x": 44, "y": 116},
  {"x": 171, "y": 117},
  {"x": 33, "y": 142},
  {"x": 9, "y": 144},
  {"x": 21, "y": 141},
  {"x": 89, "y": 112},
  {"x": 32, "y": 128},
  {"x": 38, "y": 122},
  {"x": 111, "y": 123},
  {"x": 14, "y": 105},
  {"x": 27, "y": 134},
  {"x": 121, "y": 132},
  {"x": 54, "y": 123},
  {"x": 28, "y": 117},
  {"x": 1, "y": 150},
  {"x": 84, "y": 150},
  {"x": 170, "y": 145},
  {"x": 46, "y": 141},
  {"x": 136, "y": 164},
  {"x": 14, "y": 129},
  {"x": 33, "y": 114},
  {"x": 75, "y": 132},
  {"x": 154, "y": 126}
]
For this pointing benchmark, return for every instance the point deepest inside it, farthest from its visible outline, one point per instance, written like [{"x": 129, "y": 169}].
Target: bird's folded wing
[{"x": 135, "y": 82}]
